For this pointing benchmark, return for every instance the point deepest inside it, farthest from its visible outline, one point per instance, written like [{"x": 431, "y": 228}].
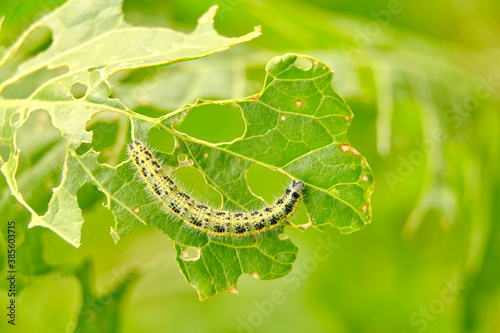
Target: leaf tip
[
  {"x": 208, "y": 17},
  {"x": 114, "y": 235}
]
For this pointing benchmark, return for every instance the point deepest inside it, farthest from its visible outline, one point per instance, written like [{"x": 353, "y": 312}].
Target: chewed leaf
[
  {"x": 298, "y": 126},
  {"x": 93, "y": 35},
  {"x": 305, "y": 136},
  {"x": 90, "y": 39}
]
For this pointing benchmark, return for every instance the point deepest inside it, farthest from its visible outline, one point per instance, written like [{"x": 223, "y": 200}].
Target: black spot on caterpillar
[{"x": 215, "y": 222}]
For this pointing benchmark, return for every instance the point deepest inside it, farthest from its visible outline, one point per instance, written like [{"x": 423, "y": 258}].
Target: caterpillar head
[{"x": 297, "y": 185}]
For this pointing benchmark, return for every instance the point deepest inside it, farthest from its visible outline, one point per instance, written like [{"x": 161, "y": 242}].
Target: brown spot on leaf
[
  {"x": 305, "y": 225},
  {"x": 345, "y": 148},
  {"x": 233, "y": 291}
]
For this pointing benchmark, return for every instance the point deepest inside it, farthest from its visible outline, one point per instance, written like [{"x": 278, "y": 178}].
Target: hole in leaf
[
  {"x": 78, "y": 90},
  {"x": 300, "y": 217},
  {"x": 161, "y": 140},
  {"x": 88, "y": 194},
  {"x": 37, "y": 41},
  {"x": 266, "y": 183},
  {"x": 191, "y": 254},
  {"x": 182, "y": 158},
  {"x": 270, "y": 185},
  {"x": 83, "y": 148},
  {"x": 98, "y": 219},
  {"x": 194, "y": 182},
  {"x": 303, "y": 63},
  {"x": 110, "y": 132},
  {"x": 43, "y": 150},
  {"x": 213, "y": 123}
]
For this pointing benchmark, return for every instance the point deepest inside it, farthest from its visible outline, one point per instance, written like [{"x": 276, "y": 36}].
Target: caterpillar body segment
[{"x": 214, "y": 222}]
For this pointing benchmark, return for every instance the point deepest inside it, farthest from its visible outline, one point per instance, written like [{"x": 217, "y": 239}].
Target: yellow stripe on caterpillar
[{"x": 215, "y": 222}]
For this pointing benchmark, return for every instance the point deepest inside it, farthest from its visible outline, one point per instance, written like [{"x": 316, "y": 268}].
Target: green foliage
[
  {"x": 426, "y": 99},
  {"x": 297, "y": 126},
  {"x": 98, "y": 313},
  {"x": 78, "y": 27}
]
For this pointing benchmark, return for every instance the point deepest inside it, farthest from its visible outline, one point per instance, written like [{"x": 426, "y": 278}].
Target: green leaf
[
  {"x": 297, "y": 126},
  {"x": 91, "y": 40}
]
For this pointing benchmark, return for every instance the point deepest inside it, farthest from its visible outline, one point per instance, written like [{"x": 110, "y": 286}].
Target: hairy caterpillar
[{"x": 215, "y": 222}]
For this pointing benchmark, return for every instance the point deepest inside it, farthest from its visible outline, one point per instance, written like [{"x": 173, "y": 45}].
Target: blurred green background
[{"x": 423, "y": 81}]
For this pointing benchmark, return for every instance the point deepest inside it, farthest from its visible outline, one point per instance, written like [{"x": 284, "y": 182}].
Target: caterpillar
[{"x": 215, "y": 222}]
